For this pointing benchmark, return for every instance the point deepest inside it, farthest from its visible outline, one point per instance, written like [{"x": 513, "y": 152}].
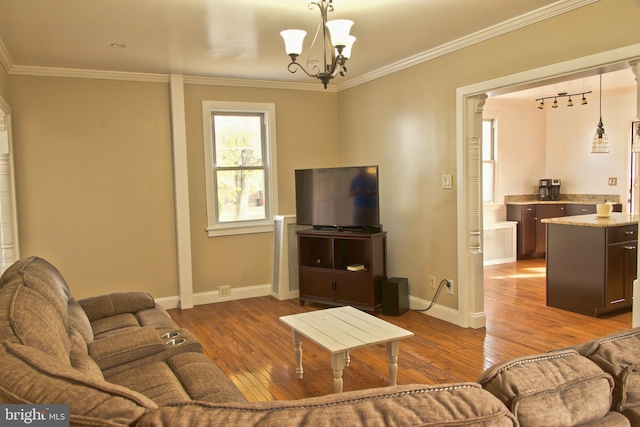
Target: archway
[{"x": 469, "y": 101}]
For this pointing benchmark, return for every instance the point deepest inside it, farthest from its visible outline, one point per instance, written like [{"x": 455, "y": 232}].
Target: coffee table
[{"x": 340, "y": 330}]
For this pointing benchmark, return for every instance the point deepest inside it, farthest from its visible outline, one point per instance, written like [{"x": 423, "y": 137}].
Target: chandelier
[{"x": 337, "y": 43}]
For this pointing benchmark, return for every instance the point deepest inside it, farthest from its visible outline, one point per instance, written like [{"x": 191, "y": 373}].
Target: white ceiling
[{"x": 240, "y": 38}]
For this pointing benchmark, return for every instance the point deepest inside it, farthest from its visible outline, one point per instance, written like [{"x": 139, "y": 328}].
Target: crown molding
[
  {"x": 262, "y": 84},
  {"x": 557, "y": 8},
  {"x": 23, "y": 70},
  {"x": 510, "y": 25}
]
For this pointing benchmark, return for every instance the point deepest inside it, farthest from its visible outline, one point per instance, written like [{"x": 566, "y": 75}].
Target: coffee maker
[{"x": 549, "y": 189}]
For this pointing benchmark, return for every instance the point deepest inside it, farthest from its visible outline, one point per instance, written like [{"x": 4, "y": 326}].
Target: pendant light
[{"x": 600, "y": 139}]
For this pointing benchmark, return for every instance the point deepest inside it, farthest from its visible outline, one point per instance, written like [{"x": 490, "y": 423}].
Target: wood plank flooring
[{"x": 246, "y": 339}]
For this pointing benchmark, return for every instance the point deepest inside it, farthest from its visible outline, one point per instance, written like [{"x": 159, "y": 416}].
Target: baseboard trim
[
  {"x": 201, "y": 298},
  {"x": 438, "y": 311}
]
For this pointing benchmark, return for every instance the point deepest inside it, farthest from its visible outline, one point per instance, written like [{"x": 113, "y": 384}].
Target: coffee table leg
[
  {"x": 393, "y": 348},
  {"x": 297, "y": 351},
  {"x": 337, "y": 364}
]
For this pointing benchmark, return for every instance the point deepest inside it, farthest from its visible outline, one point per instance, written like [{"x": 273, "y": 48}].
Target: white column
[
  {"x": 181, "y": 191},
  {"x": 470, "y": 274}
]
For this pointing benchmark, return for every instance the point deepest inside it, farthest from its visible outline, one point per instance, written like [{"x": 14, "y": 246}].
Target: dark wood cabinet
[
  {"x": 590, "y": 270},
  {"x": 579, "y": 209},
  {"x": 543, "y": 212},
  {"x": 324, "y": 277},
  {"x": 532, "y": 233}
]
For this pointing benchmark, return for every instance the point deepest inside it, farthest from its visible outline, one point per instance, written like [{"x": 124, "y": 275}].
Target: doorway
[{"x": 470, "y": 100}]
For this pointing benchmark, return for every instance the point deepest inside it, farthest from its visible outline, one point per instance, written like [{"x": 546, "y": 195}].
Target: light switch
[{"x": 447, "y": 181}]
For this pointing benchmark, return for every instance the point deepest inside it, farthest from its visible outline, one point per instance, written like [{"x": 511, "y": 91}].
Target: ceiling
[{"x": 240, "y": 39}]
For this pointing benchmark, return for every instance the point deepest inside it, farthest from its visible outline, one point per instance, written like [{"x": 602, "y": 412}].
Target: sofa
[{"x": 120, "y": 360}]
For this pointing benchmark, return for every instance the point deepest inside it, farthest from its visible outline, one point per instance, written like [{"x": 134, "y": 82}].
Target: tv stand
[
  {"x": 347, "y": 229},
  {"x": 323, "y": 260}
]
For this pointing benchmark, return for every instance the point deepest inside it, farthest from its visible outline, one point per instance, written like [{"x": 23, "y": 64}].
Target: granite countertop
[
  {"x": 564, "y": 199},
  {"x": 617, "y": 219}
]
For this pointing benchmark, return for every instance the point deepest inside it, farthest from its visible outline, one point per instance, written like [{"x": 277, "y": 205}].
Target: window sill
[{"x": 231, "y": 230}]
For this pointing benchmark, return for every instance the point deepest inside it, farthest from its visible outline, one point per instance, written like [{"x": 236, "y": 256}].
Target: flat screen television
[{"x": 341, "y": 197}]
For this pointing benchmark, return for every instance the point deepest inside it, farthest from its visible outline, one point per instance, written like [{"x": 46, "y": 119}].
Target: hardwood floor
[{"x": 248, "y": 342}]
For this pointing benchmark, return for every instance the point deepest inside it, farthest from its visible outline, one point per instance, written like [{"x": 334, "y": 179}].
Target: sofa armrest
[
  {"x": 125, "y": 347},
  {"x": 102, "y": 306},
  {"x": 405, "y": 405}
]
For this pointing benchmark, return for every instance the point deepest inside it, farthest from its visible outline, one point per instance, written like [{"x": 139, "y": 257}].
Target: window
[
  {"x": 239, "y": 146},
  {"x": 488, "y": 160}
]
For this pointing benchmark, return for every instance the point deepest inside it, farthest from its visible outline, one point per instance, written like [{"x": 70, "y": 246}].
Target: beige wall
[
  {"x": 306, "y": 126},
  {"x": 406, "y": 122},
  {"x": 94, "y": 181}
]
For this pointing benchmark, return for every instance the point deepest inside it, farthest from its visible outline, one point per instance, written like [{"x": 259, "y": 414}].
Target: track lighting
[{"x": 562, "y": 95}]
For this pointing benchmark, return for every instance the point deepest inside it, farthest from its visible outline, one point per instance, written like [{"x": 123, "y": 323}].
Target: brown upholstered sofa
[{"x": 116, "y": 360}]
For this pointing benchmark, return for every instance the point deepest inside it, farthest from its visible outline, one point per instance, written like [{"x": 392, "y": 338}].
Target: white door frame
[
  {"x": 469, "y": 102},
  {"x": 9, "y": 248}
]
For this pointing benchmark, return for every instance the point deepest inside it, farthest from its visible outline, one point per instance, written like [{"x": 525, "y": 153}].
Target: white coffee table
[{"x": 340, "y": 330}]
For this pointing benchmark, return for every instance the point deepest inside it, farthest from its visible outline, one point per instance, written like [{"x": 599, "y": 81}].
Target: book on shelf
[{"x": 355, "y": 267}]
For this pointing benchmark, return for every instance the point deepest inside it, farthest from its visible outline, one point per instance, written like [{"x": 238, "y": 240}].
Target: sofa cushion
[
  {"x": 577, "y": 390},
  {"x": 114, "y": 324},
  {"x": 43, "y": 277},
  {"x": 102, "y": 306},
  {"x": 618, "y": 355},
  {"x": 125, "y": 347},
  {"x": 32, "y": 377},
  {"x": 180, "y": 378},
  {"x": 79, "y": 357},
  {"x": 463, "y": 404},
  {"x": 78, "y": 320},
  {"x": 35, "y": 321}
]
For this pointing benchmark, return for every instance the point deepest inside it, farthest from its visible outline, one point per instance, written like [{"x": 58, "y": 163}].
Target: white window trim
[{"x": 244, "y": 227}]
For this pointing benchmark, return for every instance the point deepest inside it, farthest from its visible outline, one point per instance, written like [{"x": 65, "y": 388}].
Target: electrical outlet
[
  {"x": 450, "y": 286},
  {"x": 534, "y": 189},
  {"x": 432, "y": 282},
  {"x": 224, "y": 291}
]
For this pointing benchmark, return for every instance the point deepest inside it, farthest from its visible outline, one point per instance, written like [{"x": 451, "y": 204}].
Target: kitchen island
[{"x": 591, "y": 262}]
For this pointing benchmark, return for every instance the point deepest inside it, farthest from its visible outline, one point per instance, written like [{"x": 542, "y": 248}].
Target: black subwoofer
[{"x": 395, "y": 296}]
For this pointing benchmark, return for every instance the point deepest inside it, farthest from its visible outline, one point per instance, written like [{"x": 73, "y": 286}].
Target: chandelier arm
[{"x": 292, "y": 70}]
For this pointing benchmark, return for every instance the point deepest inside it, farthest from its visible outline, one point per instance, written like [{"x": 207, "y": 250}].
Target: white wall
[
  {"x": 556, "y": 143},
  {"x": 570, "y": 132}
]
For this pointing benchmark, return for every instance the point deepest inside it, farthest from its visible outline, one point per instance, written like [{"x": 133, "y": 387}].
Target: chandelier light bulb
[
  {"x": 293, "y": 41},
  {"x": 346, "y": 51},
  {"x": 339, "y": 31}
]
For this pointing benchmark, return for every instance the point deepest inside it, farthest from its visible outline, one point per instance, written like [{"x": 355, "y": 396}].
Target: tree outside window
[{"x": 239, "y": 166}]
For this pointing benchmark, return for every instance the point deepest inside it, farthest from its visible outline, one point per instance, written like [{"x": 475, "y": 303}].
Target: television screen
[{"x": 338, "y": 197}]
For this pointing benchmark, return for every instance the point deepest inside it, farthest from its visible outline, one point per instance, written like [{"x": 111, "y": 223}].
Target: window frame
[
  {"x": 492, "y": 161},
  {"x": 268, "y": 111}
]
